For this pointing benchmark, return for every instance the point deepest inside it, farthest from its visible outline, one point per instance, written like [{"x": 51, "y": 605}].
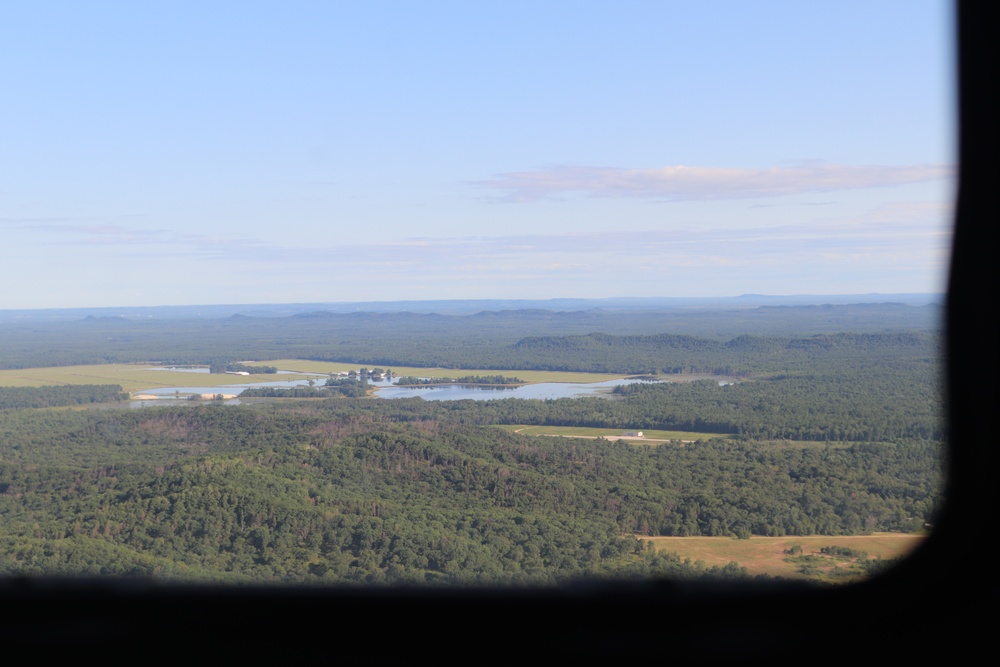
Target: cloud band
[{"x": 683, "y": 183}]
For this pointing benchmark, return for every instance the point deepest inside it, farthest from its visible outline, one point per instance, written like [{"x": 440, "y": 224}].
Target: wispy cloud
[
  {"x": 683, "y": 183},
  {"x": 899, "y": 236}
]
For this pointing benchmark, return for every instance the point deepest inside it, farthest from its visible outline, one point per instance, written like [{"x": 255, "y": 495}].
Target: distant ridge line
[{"x": 469, "y": 306}]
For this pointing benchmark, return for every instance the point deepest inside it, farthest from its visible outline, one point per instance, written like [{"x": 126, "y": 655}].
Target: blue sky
[{"x": 251, "y": 152}]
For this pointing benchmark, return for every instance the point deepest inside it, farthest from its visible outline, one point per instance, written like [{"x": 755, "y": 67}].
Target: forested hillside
[
  {"x": 500, "y": 340},
  {"x": 333, "y": 492}
]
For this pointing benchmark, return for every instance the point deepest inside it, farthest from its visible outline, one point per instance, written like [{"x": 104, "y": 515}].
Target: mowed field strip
[
  {"x": 651, "y": 437},
  {"x": 766, "y": 555}
]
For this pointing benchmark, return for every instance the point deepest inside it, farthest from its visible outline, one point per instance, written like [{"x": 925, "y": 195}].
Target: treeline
[
  {"x": 485, "y": 340},
  {"x": 332, "y": 491},
  {"x": 284, "y": 392},
  {"x": 488, "y": 379},
  {"x": 857, "y": 407},
  {"x": 872, "y": 406},
  {"x": 861, "y": 407},
  {"x": 341, "y": 387},
  {"x": 672, "y": 354},
  {"x": 740, "y": 356},
  {"x": 235, "y": 367},
  {"x": 62, "y": 395},
  {"x": 409, "y": 380},
  {"x": 349, "y": 387}
]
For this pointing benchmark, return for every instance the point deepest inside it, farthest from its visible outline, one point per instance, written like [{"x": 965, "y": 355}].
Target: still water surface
[
  {"x": 385, "y": 389},
  {"x": 457, "y": 392}
]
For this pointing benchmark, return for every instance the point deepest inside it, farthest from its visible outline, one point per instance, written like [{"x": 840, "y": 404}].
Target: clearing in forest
[
  {"x": 649, "y": 437},
  {"x": 769, "y": 555}
]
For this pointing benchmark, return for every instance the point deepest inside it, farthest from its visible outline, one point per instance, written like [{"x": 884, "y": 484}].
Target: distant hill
[{"x": 470, "y": 306}]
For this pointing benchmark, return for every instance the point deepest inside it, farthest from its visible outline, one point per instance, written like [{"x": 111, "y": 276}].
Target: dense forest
[
  {"x": 330, "y": 492},
  {"x": 833, "y": 431},
  {"x": 45, "y": 397}
]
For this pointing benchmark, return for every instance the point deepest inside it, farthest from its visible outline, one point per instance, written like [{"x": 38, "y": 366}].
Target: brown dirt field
[{"x": 765, "y": 555}]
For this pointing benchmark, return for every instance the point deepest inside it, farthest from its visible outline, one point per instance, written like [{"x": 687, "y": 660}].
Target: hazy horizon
[{"x": 469, "y": 306}]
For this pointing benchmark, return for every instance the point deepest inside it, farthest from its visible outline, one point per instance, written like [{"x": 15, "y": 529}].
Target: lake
[
  {"x": 386, "y": 389},
  {"x": 539, "y": 390}
]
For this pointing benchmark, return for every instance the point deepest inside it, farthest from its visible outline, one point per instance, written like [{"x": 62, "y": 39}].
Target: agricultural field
[
  {"x": 135, "y": 377},
  {"x": 132, "y": 377},
  {"x": 770, "y": 555}
]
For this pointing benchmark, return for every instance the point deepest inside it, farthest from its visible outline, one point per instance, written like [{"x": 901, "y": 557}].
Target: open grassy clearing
[
  {"x": 654, "y": 437},
  {"x": 132, "y": 377},
  {"x": 766, "y": 555},
  {"x": 585, "y": 432},
  {"x": 135, "y": 377}
]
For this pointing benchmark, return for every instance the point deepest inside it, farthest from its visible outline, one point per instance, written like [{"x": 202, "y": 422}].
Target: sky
[{"x": 183, "y": 153}]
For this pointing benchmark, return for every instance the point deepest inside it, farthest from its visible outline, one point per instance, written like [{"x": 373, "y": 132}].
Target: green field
[
  {"x": 132, "y": 377},
  {"x": 135, "y": 377},
  {"x": 766, "y": 555},
  {"x": 649, "y": 436}
]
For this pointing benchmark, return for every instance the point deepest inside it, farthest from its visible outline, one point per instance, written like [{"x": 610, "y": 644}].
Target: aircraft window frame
[{"x": 665, "y": 619}]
